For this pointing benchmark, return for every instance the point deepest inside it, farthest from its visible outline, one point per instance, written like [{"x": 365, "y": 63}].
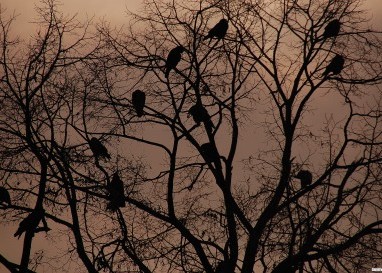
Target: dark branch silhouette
[{"x": 170, "y": 200}]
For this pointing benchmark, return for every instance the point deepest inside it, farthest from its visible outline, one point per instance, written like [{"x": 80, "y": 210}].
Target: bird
[
  {"x": 138, "y": 100},
  {"x": 30, "y": 223},
  {"x": 4, "y": 196},
  {"x": 220, "y": 267},
  {"x": 173, "y": 59},
  {"x": 305, "y": 177},
  {"x": 116, "y": 193},
  {"x": 209, "y": 152},
  {"x": 218, "y": 31},
  {"x": 200, "y": 114},
  {"x": 335, "y": 66},
  {"x": 332, "y": 29},
  {"x": 98, "y": 149}
]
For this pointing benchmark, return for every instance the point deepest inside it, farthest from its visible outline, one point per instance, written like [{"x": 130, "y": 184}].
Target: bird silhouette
[
  {"x": 138, "y": 100},
  {"x": 332, "y": 29},
  {"x": 200, "y": 114},
  {"x": 30, "y": 223},
  {"x": 98, "y": 149},
  {"x": 335, "y": 66},
  {"x": 4, "y": 196},
  {"x": 173, "y": 59},
  {"x": 116, "y": 193},
  {"x": 305, "y": 177},
  {"x": 218, "y": 31},
  {"x": 209, "y": 152}
]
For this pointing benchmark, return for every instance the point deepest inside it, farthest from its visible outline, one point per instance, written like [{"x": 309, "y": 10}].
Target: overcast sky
[{"x": 113, "y": 11}]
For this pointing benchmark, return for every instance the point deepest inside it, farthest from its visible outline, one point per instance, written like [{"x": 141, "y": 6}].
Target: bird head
[
  {"x": 197, "y": 108},
  {"x": 180, "y": 48},
  {"x": 192, "y": 110}
]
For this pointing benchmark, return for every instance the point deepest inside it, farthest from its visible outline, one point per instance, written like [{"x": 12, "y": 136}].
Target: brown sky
[{"x": 113, "y": 11}]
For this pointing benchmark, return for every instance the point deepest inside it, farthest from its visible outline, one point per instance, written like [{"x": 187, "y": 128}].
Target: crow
[
  {"x": 116, "y": 193},
  {"x": 209, "y": 152},
  {"x": 335, "y": 66},
  {"x": 4, "y": 196},
  {"x": 220, "y": 267},
  {"x": 30, "y": 223},
  {"x": 98, "y": 149},
  {"x": 200, "y": 114},
  {"x": 173, "y": 59},
  {"x": 138, "y": 100},
  {"x": 218, "y": 31},
  {"x": 305, "y": 178},
  {"x": 332, "y": 29}
]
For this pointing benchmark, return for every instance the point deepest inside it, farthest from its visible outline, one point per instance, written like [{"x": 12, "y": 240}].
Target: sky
[{"x": 114, "y": 12}]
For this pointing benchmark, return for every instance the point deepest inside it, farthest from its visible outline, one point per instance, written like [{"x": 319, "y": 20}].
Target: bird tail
[
  {"x": 112, "y": 206},
  {"x": 206, "y": 37},
  {"x": 167, "y": 72},
  {"x": 121, "y": 202},
  {"x": 18, "y": 234},
  {"x": 209, "y": 125},
  {"x": 140, "y": 112}
]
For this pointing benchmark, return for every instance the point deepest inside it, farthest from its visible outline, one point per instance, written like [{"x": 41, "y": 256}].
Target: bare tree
[{"x": 154, "y": 181}]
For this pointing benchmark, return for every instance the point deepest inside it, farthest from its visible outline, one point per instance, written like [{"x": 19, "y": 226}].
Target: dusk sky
[{"x": 114, "y": 12}]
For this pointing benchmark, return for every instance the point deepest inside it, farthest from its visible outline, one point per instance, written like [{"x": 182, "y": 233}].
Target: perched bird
[
  {"x": 4, "y": 196},
  {"x": 116, "y": 193},
  {"x": 138, "y": 100},
  {"x": 173, "y": 59},
  {"x": 220, "y": 267},
  {"x": 335, "y": 66},
  {"x": 332, "y": 29},
  {"x": 30, "y": 223},
  {"x": 218, "y": 31},
  {"x": 200, "y": 114},
  {"x": 98, "y": 149},
  {"x": 209, "y": 153},
  {"x": 305, "y": 177}
]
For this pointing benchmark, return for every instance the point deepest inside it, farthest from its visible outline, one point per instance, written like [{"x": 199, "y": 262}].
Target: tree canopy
[{"x": 178, "y": 144}]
